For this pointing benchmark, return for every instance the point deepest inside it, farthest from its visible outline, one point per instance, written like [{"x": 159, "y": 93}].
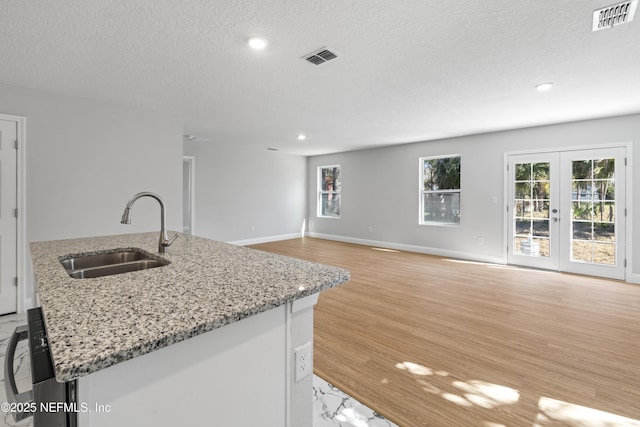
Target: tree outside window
[
  {"x": 329, "y": 191},
  {"x": 440, "y": 194}
]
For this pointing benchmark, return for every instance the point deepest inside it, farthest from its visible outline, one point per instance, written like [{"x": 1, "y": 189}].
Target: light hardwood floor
[{"x": 431, "y": 341}]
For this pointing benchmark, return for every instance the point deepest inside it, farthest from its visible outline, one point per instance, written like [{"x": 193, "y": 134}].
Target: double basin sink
[{"x": 110, "y": 262}]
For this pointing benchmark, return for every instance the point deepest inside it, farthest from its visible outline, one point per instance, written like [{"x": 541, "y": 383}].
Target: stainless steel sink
[
  {"x": 81, "y": 261},
  {"x": 109, "y": 262}
]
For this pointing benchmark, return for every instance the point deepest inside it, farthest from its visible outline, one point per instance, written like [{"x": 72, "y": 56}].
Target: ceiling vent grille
[
  {"x": 321, "y": 56},
  {"x": 616, "y": 14}
]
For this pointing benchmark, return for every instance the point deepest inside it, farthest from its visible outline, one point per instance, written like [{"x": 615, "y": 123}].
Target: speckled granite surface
[{"x": 95, "y": 323}]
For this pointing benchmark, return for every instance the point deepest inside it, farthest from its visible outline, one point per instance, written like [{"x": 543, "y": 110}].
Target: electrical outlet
[
  {"x": 253, "y": 228},
  {"x": 481, "y": 240},
  {"x": 304, "y": 361},
  {"x": 370, "y": 229}
]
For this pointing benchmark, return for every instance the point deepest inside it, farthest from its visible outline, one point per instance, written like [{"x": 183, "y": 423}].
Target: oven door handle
[{"x": 13, "y": 397}]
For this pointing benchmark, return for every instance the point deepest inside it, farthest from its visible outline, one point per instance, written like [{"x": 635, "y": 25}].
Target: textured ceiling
[{"x": 408, "y": 70}]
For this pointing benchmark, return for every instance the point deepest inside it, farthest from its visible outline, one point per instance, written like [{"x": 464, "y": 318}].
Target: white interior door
[
  {"x": 567, "y": 211},
  {"x": 8, "y": 220}
]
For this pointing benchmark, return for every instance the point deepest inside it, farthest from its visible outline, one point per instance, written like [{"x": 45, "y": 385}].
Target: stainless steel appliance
[{"x": 52, "y": 404}]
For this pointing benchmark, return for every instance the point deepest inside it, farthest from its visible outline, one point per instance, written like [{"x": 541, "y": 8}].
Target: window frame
[
  {"x": 322, "y": 192},
  {"x": 423, "y": 192}
]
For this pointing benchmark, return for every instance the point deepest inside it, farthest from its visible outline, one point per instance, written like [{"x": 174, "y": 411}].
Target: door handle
[
  {"x": 555, "y": 219},
  {"x": 21, "y": 333}
]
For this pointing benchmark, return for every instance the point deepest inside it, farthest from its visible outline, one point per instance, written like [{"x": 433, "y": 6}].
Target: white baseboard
[
  {"x": 634, "y": 278},
  {"x": 267, "y": 239},
  {"x": 413, "y": 248}
]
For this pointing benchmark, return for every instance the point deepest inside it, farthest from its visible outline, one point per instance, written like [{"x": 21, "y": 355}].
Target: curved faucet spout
[{"x": 164, "y": 238}]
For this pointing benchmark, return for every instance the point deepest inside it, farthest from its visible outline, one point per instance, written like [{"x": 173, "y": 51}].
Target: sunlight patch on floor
[
  {"x": 498, "y": 266},
  {"x": 414, "y": 368},
  {"x": 473, "y": 392},
  {"x": 384, "y": 249},
  {"x": 454, "y": 398},
  {"x": 462, "y": 261},
  {"x": 553, "y": 411},
  {"x": 487, "y": 395}
]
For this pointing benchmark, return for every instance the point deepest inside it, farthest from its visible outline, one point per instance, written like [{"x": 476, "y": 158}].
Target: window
[
  {"x": 329, "y": 191},
  {"x": 440, "y": 190}
]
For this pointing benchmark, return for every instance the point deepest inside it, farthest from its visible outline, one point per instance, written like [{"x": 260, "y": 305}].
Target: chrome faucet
[{"x": 164, "y": 239}]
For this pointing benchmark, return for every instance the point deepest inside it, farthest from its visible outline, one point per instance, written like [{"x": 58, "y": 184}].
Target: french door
[{"x": 567, "y": 211}]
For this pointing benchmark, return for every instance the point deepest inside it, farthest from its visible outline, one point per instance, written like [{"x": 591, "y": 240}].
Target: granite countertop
[{"x": 95, "y": 323}]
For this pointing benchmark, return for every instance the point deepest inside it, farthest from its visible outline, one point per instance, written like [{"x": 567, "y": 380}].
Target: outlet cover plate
[{"x": 303, "y": 361}]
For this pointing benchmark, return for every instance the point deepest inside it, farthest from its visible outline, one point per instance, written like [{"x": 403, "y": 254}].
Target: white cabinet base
[{"x": 236, "y": 376}]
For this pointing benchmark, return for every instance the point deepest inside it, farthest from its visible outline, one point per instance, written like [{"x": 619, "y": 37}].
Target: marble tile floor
[
  {"x": 334, "y": 408},
  {"x": 21, "y": 364},
  {"x": 331, "y": 407}
]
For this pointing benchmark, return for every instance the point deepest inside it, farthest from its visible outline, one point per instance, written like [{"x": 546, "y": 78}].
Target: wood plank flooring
[{"x": 431, "y": 341}]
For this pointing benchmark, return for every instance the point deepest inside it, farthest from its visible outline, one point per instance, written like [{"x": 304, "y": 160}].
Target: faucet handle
[
  {"x": 171, "y": 240},
  {"x": 164, "y": 244}
]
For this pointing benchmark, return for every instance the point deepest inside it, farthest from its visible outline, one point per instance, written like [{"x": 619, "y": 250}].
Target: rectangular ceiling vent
[
  {"x": 616, "y": 14},
  {"x": 321, "y": 56}
]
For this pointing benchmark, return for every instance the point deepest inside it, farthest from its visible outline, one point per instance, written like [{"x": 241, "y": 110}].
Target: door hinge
[
  {"x": 15, "y": 212},
  {"x": 15, "y": 281},
  {"x": 15, "y": 144},
  {"x": 625, "y": 161},
  {"x": 625, "y": 212},
  {"x": 507, "y": 167},
  {"x": 625, "y": 263}
]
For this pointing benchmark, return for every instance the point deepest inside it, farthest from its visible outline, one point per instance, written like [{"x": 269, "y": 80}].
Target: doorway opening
[{"x": 188, "y": 194}]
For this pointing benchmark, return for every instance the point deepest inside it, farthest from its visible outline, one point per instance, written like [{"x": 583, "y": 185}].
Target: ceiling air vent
[
  {"x": 320, "y": 56},
  {"x": 616, "y": 14}
]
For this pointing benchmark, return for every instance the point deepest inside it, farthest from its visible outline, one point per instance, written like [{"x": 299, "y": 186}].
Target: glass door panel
[
  {"x": 531, "y": 209},
  {"x": 596, "y": 224},
  {"x": 593, "y": 222},
  {"x": 532, "y": 197}
]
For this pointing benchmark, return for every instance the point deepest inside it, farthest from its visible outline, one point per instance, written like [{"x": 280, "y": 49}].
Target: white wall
[
  {"x": 85, "y": 159},
  {"x": 380, "y": 188},
  {"x": 239, "y": 187}
]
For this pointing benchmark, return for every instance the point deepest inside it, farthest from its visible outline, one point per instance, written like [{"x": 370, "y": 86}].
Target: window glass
[
  {"x": 329, "y": 197},
  {"x": 440, "y": 198}
]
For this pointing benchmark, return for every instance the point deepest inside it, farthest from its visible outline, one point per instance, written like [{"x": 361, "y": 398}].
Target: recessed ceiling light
[
  {"x": 542, "y": 87},
  {"x": 301, "y": 137},
  {"x": 257, "y": 43}
]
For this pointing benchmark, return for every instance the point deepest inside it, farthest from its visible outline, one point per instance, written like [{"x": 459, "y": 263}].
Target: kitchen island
[{"x": 208, "y": 339}]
